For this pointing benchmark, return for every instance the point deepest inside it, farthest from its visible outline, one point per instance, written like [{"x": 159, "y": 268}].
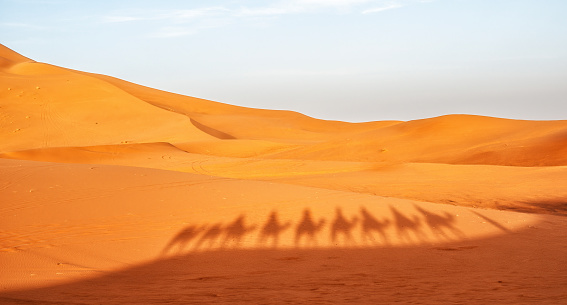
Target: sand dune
[
  {"x": 68, "y": 109},
  {"x": 452, "y": 139},
  {"x": 118, "y": 193}
]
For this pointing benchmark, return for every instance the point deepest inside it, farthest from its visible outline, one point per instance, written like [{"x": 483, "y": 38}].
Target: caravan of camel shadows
[{"x": 362, "y": 229}]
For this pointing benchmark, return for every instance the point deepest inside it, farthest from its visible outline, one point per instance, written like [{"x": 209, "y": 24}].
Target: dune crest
[{"x": 9, "y": 57}]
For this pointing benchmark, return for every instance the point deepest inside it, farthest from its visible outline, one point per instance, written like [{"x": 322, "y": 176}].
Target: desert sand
[{"x": 116, "y": 193}]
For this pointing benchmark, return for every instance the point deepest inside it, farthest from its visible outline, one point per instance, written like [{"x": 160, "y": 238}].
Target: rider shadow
[
  {"x": 370, "y": 225},
  {"x": 342, "y": 227},
  {"x": 235, "y": 232},
  {"x": 308, "y": 228},
  {"x": 405, "y": 226},
  {"x": 441, "y": 224},
  {"x": 182, "y": 239},
  {"x": 271, "y": 230}
]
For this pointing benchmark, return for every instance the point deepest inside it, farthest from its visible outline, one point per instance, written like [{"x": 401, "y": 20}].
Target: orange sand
[{"x": 115, "y": 193}]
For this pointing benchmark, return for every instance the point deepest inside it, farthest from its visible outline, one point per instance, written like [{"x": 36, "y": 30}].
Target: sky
[{"x": 348, "y": 60}]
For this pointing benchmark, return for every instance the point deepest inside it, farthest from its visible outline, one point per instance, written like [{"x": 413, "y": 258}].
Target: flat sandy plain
[{"x": 115, "y": 193}]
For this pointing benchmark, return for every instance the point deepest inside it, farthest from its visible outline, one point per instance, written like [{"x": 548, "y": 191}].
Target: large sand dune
[{"x": 115, "y": 193}]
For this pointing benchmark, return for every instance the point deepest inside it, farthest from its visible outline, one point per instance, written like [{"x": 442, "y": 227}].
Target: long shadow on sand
[
  {"x": 476, "y": 272},
  {"x": 388, "y": 229}
]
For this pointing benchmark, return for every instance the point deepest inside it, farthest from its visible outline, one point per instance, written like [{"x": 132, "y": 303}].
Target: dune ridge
[
  {"x": 73, "y": 98},
  {"x": 104, "y": 183}
]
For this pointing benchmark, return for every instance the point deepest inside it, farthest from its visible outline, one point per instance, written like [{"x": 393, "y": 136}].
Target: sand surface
[{"x": 115, "y": 193}]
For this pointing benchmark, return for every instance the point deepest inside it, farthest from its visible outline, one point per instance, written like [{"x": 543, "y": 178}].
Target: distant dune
[{"x": 115, "y": 193}]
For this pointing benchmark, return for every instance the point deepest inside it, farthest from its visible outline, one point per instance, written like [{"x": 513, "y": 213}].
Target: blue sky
[{"x": 350, "y": 60}]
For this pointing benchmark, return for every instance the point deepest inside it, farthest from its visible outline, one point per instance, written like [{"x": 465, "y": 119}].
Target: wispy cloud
[
  {"x": 181, "y": 22},
  {"x": 40, "y": 1},
  {"x": 382, "y": 8},
  {"x": 119, "y": 18},
  {"x": 175, "y": 23},
  {"x": 23, "y": 26},
  {"x": 266, "y": 11},
  {"x": 176, "y": 16},
  {"x": 303, "y": 72},
  {"x": 191, "y": 14},
  {"x": 173, "y": 31},
  {"x": 185, "y": 29},
  {"x": 333, "y": 2}
]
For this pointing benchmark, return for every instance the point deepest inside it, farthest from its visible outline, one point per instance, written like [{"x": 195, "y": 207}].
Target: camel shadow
[
  {"x": 370, "y": 225},
  {"x": 308, "y": 228},
  {"x": 406, "y": 228},
  {"x": 440, "y": 225},
  {"x": 342, "y": 227},
  {"x": 182, "y": 239},
  {"x": 235, "y": 232},
  {"x": 373, "y": 231},
  {"x": 210, "y": 236},
  {"x": 271, "y": 230}
]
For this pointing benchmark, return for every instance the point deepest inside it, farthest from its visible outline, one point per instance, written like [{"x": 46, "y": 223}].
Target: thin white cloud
[
  {"x": 39, "y": 1},
  {"x": 117, "y": 19},
  {"x": 173, "y": 31},
  {"x": 266, "y": 11},
  {"x": 22, "y": 25},
  {"x": 301, "y": 6},
  {"x": 382, "y": 8},
  {"x": 333, "y": 2},
  {"x": 171, "y": 15},
  {"x": 303, "y": 72},
  {"x": 179, "y": 29},
  {"x": 183, "y": 15},
  {"x": 172, "y": 23}
]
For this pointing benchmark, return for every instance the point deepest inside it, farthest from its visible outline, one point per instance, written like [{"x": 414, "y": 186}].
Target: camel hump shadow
[
  {"x": 272, "y": 230},
  {"x": 370, "y": 224},
  {"x": 308, "y": 228},
  {"x": 406, "y": 227},
  {"x": 182, "y": 238},
  {"x": 210, "y": 236},
  {"x": 341, "y": 226}
]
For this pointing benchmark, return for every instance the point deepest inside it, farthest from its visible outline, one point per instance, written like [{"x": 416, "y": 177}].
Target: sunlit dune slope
[
  {"x": 527, "y": 189},
  {"x": 47, "y": 106},
  {"x": 9, "y": 58},
  {"x": 245, "y": 123},
  {"x": 55, "y": 114},
  {"x": 455, "y": 139}
]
